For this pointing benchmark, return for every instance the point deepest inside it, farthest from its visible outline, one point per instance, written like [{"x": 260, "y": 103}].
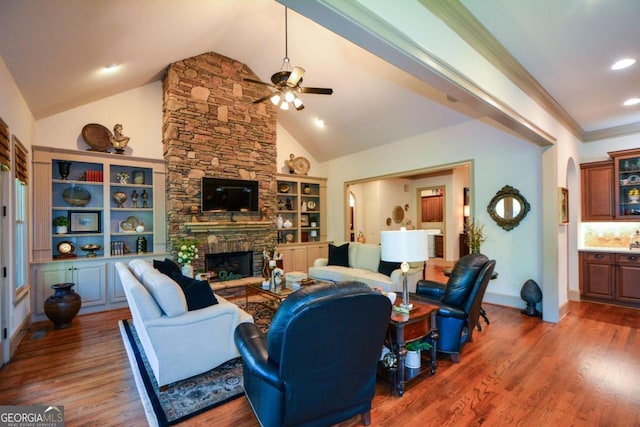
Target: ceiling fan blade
[
  {"x": 264, "y": 98},
  {"x": 295, "y": 76},
  {"x": 316, "y": 90},
  {"x": 259, "y": 82}
]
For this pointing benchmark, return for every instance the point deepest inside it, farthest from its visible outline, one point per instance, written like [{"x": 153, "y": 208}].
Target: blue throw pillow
[
  {"x": 339, "y": 255},
  {"x": 198, "y": 293},
  {"x": 387, "y": 267}
]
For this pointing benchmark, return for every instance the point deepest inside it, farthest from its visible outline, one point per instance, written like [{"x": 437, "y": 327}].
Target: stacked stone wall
[{"x": 212, "y": 128}]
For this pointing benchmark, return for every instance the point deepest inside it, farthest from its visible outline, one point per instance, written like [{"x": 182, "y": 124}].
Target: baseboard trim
[
  {"x": 504, "y": 300},
  {"x": 573, "y": 295},
  {"x": 19, "y": 335}
]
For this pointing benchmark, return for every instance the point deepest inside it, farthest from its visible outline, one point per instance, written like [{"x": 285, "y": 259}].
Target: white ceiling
[{"x": 56, "y": 48}]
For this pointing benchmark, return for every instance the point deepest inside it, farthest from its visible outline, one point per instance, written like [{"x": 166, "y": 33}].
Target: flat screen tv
[{"x": 229, "y": 195}]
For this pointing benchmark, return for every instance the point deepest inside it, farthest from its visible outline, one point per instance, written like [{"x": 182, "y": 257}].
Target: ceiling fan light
[
  {"x": 289, "y": 96},
  {"x": 284, "y": 105},
  {"x": 275, "y": 99},
  {"x": 298, "y": 104}
]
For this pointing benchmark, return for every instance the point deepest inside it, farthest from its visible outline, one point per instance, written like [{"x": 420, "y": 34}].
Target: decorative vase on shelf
[
  {"x": 187, "y": 270},
  {"x": 63, "y": 305},
  {"x": 63, "y": 169},
  {"x": 279, "y": 221},
  {"x": 120, "y": 197}
]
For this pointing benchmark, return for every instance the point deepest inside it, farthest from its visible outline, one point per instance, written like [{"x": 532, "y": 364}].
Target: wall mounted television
[{"x": 229, "y": 195}]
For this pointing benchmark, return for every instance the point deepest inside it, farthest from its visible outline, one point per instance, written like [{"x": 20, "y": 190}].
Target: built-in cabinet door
[
  {"x": 597, "y": 275},
  {"x": 90, "y": 280},
  {"x": 294, "y": 258},
  {"x": 45, "y": 277},
  {"x": 597, "y": 191},
  {"x": 314, "y": 252},
  {"x": 628, "y": 278}
]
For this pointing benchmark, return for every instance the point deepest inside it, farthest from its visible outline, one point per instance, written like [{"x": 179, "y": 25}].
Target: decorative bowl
[
  {"x": 76, "y": 196},
  {"x": 130, "y": 224},
  {"x": 91, "y": 248},
  {"x": 283, "y": 188}
]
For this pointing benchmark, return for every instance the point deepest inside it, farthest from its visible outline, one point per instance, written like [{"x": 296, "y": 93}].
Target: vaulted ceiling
[{"x": 56, "y": 50}]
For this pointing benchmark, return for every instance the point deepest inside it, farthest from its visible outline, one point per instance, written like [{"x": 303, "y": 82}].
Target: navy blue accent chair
[
  {"x": 460, "y": 301},
  {"x": 317, "y": 364}
]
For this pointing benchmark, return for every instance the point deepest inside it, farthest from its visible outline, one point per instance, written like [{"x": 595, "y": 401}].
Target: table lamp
[{"x": 404, "y": 246}]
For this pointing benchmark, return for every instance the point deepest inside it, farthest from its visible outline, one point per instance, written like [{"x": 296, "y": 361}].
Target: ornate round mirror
[{"x": 508, "y": 207}]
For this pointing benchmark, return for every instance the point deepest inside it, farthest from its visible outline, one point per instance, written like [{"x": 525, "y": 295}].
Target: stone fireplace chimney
[{"x": 211, "y": 128}]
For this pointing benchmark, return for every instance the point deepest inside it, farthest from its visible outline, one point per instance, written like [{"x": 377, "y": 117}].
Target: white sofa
[
  {"x": 178, "y": 343},
  {"x": 364, "y": 260}
]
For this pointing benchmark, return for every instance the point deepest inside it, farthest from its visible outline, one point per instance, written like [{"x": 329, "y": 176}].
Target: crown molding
[
  {"x": 599, "y": 134},
  {"x": 459, "y": 19}
]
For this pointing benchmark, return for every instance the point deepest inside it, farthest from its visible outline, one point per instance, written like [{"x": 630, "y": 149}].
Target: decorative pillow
[
  {"x": 166, "y": 292},
  {"x": 198, "y": 293},
  {"x": 387, "y": 267},
  {"x": 167, "y": 267},
  {"x": 139, "y": 266},
  {"x": 339, "y": 255}
]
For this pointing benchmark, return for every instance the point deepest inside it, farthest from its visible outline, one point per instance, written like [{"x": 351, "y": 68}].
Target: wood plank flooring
[{"x": 583, "y": 371}]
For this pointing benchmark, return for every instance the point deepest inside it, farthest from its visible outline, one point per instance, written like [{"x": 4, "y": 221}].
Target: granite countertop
[{"x": 607, "y": 249}]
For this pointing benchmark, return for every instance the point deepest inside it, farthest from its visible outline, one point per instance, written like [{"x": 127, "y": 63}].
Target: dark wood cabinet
[
  {"x": 597, "y": 191},
  {"x": 463, "y": 241},
  {"x": 597, "y": 275},
  {"x": 439, "y": 245},
  {"x": 628, "y": 278},
  {"x": 432, "y": 209},
  {"x": 611, "y": 188},
  {"x": 610, "y": 277}
]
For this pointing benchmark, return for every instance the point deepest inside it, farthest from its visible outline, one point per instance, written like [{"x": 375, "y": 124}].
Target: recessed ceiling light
[
  {"x": 319, "y": 123},
  {"x": 623, "y": 63},
  {"x": 109, "y": 69},
  {"x": 632, "y": 101}
]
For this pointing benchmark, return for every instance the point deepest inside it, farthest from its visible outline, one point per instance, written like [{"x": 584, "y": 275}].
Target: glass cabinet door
[{"x": 628, "y": 186}]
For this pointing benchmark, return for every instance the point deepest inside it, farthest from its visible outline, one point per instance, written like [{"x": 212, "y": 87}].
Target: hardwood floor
[{"x": 583, "y": 371}]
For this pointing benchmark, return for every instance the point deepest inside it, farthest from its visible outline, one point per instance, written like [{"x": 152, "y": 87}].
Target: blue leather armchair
[
  {"x": 317, "y": 364},
  {"x": 460, "y": 301}
]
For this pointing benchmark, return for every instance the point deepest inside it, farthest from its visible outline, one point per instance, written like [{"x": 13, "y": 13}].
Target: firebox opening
[{"x": 229, "y": 265}]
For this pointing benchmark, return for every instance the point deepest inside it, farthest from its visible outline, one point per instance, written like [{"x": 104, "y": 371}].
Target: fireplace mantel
[{"x": 208, "y": 227}]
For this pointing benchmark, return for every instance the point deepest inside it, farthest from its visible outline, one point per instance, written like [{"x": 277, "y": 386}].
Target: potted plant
[
  {"x": 187, "y": 253},
  {"x": 61, "y": 223},
  {"x": 475, "y": 236},
  {"x": 412, "y": 360}
]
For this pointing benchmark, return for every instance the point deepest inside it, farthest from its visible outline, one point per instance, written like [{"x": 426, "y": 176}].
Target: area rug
[{"x": 187, "y": 398}]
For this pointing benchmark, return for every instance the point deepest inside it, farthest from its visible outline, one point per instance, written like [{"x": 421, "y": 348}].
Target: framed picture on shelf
[
  {"x": 563, "y": 203},
  {"x": 84, "y": 221},
  {"x": 304, "y": 220}
]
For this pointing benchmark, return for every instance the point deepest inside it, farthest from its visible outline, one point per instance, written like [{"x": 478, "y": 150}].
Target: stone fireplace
[{"x": 212, "y": 128}]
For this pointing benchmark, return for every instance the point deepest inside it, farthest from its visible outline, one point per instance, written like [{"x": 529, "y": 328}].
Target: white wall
[
  {"x": 139, "y": 111},
  {"x": 374, "y": 203},
  {"x": 499, "y": 159},
  {"x": 287, "y": 144}
]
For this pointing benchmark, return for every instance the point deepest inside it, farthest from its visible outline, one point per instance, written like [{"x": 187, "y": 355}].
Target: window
[{"x": 21, "y": 215}]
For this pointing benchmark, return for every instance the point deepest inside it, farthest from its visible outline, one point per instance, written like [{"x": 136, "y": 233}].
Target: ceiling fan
[{"x": 287, "y": 82}]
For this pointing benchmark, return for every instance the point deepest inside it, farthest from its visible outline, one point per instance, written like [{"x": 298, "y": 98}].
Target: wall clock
[{"x": 65, "y": 249}]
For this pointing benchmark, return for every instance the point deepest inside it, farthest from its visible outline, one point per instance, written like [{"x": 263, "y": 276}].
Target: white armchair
[{"x": 182, "y": 343}]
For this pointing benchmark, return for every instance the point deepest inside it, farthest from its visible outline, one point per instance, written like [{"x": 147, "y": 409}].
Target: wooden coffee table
[{"x": 404, "y": 328}]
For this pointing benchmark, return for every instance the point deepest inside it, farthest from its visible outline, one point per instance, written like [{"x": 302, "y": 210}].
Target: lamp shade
[{"x": 404, "y": 246}]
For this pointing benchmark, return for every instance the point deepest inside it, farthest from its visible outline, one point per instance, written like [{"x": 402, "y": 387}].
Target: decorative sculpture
[
  {"x": 532, "y": 295},
  {"x": 118, "y": 140}
]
